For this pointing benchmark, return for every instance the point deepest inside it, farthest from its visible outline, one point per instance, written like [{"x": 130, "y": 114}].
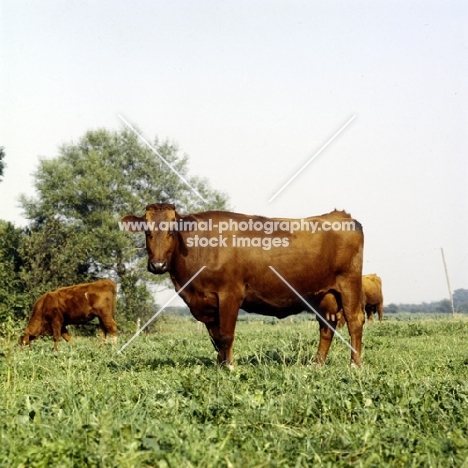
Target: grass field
[{"x": 164, "y": 403}]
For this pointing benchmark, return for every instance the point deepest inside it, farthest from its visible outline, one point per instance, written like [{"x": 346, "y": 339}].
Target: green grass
[{"x": 163, "y": 401}]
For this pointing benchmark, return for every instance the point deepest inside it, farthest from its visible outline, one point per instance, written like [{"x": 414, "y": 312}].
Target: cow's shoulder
[{"x": 49, "y": 304}]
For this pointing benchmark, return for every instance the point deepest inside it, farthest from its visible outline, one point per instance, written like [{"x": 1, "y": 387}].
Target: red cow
[
  {"x": 73, "y": 305},
  {"x": 237, "y": 273}
]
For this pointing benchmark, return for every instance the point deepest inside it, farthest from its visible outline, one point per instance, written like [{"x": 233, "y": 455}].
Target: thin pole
[{"x": 448, "y": 282}]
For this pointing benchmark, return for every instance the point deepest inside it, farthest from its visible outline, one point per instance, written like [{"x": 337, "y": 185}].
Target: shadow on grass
[
  {"x": 159, "y": 363},
  {"x": 185, "y": 362},
  {"x": 276, "y": 357}
]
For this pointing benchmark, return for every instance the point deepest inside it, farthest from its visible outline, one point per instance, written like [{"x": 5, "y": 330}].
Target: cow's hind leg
[
  {"x": 330, "y": 311},
  {"x": 355, "y": 320},
  {"x": 327, "y": 332},
  {"x": 351, "y": 302},
  {"x": 380, "y": 311}
]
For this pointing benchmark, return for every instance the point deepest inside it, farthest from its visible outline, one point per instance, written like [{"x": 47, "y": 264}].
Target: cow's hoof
[
  {"x": 319, "y": 361},
  {"x": 354, "y": 365},
  {"x": 227, "y": 366}
]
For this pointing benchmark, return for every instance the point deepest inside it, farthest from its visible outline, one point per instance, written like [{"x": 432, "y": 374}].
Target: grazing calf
[{"x": 73, "y": 305}]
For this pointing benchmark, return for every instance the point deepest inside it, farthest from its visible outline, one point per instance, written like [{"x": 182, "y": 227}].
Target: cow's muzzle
[
  {"x": 158, "y": 268},
  {"x": 23, "y": 340}
]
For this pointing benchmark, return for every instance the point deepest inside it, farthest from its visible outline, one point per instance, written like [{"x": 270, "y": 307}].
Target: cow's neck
[{"x": 181, "y": 266}]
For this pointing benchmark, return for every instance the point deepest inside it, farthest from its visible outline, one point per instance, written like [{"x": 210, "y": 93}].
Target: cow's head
[
  {"x": 24, "y": 340},
  {"x": 158, "y": 223}
]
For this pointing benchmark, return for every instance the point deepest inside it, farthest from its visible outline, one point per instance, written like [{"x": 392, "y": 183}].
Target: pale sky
[{"x": 251, "y": 90}]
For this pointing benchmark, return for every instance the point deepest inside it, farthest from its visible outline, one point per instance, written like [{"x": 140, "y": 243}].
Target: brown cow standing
[
  {"x": 73, "y": 305},
  {"x": 238, "y": 276},
  {"x": 373, "y": 297}
]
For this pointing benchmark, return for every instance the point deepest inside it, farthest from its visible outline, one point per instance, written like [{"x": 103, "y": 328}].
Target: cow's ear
[{"x": 132, "y": 223}]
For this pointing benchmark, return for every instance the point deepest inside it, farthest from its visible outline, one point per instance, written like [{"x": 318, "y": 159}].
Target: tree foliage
[
  {"x": 2, "y": 162},
  {"x": 13, "y": 297},
  {"x": 55, "y": 255},
  {"x": 81, "y": 196},
  {"x": 460, "y": 300}
]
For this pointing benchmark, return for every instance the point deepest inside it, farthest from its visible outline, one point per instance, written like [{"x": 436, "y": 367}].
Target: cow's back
[{"x": 82, "y": 302}]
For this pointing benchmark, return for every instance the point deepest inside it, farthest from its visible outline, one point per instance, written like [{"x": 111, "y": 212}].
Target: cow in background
[
  {"x": 236, "y": 276},
  {"x": 372, "y": 301},
  {"x": 73, "y": 305},
  {"x": 373, "y": 297}
]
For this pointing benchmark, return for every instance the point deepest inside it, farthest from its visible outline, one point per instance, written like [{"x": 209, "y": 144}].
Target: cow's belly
[
  {"x": 204, "y": 304},
  {"x": 278, "y": 306},
  {"x": 273, "y": 311},
  {"x": 78, "y": 318}
]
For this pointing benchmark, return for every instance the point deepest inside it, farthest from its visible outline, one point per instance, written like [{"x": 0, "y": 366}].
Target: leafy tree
[
  {"x": 83, "y": 193},
  {"x": 55, "y": 255},
  {"x": 2, "y": 162},
  {"x": 13, "y": 298}
]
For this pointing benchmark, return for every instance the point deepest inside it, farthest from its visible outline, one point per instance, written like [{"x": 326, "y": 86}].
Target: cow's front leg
[
  {"x": 222, "y": 329},
  {"x": 355, "y": 324},
  {"x": 65, "y": 335},
  {"x": 108, "y": 327},
  {"x": 56, "y": 332},
  {"x": 222, "y": 342}
]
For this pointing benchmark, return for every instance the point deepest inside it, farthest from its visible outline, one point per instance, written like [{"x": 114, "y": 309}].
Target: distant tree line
[
  {"x": 460, "y": 303},
  {"x": 73, "y": 235}
]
